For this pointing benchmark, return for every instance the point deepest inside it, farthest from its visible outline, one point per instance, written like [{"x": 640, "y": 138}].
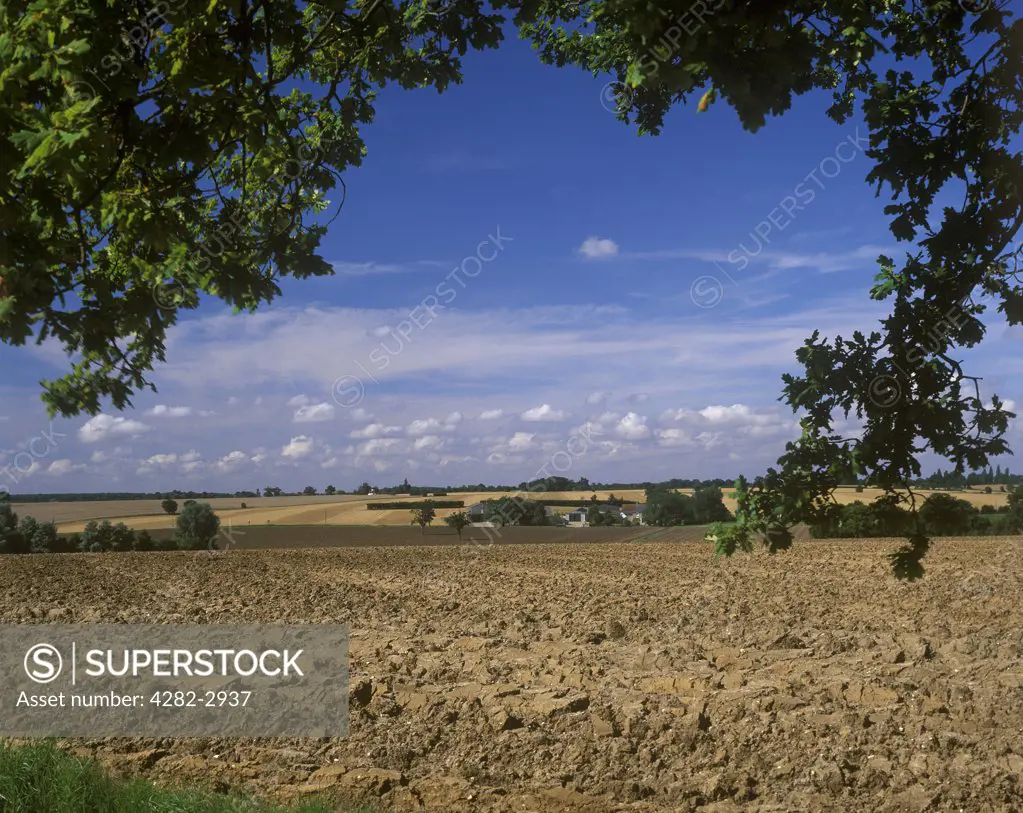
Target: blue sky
[{"x": 607, "y": 299}]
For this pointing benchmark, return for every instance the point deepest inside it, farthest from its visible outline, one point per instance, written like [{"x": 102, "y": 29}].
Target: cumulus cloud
[
  {"x": 314, "y": 413},
  {"x": 164, "y": 459},
  {"x": 423, "y": 426},
  {"x": 171, "y": 411},
  {"x": 232, "y": 461},
  {"x": 298, "y": 447},
  {"x": 736, "y": 413},
  {"x": 359, "y": 414},
  {"x": 673, "y": 437},
  {"x": 544, "y": 412},
  {"x": 298, "y": 401},
  {"x": 427, "y": 426},
  {"x": 63, "y": 466},
  {"x": 633, "y": 427},
  {"x": 594, "y": 248},
  {"x": 596, "y": 398},
  {"x": 374, "y": 430},
  {"x": 500, "y": 459},
  {"x": 491, "y": 414},
  {"x": 521, "y": 441},
  {"x": 105, "y": 426},
  {"x": 377, "y": 446},
  {"x": 160, "y": 462},
  {"x": 429, "y": 442}
]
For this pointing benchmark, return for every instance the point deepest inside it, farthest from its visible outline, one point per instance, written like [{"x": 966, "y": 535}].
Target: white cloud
[
  {"x": 544, "y": 412},
  {"x": 429, "y": 442},
  {"x": 426, "y": 426},
  {"x": 299, "y": 401},
  {"x": 521, "y": 441},
  {"x": 674, "y": 437},
  {"x": 377, "y": 446},
  {"x": 163, "y": 459},
  {"x": 596, "y": 398},
  {"x": 63, "y": 466},
  {"x": 491, "y": 414},
  {"x": 171, "y": 411},
  {"x": 298, "y": 447},
  {"x": 633, "y": 427},
  {"x": 359, "y": 414},
  {"x": 349, "y": 269},
  {"x": 161, "y": 462},
  {"x": 374, "y": 430},
  {"x": 422, "y": 426},
  {"x": 736, "y": 413},
  {"x": 597, "y": 247},
  {"x": 232, "y": 461},
  {"x": 190, "y": 456},
  {"x": 314, "y": 413},
  {"x": 105, "y": 426}
]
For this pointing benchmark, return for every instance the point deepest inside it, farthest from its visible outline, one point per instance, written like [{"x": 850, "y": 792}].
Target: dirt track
[{"x": 605, "y": 677}]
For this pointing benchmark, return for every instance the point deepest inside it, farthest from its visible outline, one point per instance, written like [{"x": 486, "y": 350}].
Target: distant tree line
[
  {"x": 953, "y": 479},
  {"x": 666, "y": 507},
  {"x": 995, "y": 477},
  {"x": 414, "y": 504},
  {"x": 197, "y": 528},
  {"x": 939, "y": 515},
  {"x": 516, "y": 511},
  {"x": 106, "y": 496},
  {"x": 583, "y": 484}
]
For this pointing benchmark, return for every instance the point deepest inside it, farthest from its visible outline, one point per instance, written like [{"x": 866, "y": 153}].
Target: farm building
[
  {"x": 578, "y": 515},
  {"x": 633, "y": 512}
]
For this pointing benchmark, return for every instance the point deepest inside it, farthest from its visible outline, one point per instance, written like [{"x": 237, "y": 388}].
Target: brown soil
[{"x": 604, "y": 676}]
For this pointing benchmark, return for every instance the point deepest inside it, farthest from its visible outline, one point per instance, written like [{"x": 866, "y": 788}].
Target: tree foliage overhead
[
  {"x": 149, "y": 161},
  {"x": 939, "y": 89},
  {"x": 156, "y": 152}
]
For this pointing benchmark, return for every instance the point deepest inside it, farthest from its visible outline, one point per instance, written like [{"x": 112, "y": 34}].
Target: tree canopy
[{"x": 153, "y": 157}]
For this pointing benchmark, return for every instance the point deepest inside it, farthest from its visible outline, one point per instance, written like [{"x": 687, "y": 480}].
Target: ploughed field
[{"x": 639, "y": 676}]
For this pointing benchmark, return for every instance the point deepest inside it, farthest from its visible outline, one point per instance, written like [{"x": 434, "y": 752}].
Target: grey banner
[{"x": 173, "y": 680}]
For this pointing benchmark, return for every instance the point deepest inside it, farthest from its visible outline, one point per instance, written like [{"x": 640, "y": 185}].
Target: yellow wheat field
[{"x": 351, "y": 509}]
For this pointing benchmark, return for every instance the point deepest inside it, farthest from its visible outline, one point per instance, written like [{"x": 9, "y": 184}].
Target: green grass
[{"x": 40, "y": 778}]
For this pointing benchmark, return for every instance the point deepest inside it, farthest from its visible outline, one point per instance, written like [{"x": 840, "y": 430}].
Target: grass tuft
[{"x": 41, "y": 778}]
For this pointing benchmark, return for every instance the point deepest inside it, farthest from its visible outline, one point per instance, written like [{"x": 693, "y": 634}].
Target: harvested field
[
  {"x": 351, "y": 510},
  {"x": 604, "y": 676}
]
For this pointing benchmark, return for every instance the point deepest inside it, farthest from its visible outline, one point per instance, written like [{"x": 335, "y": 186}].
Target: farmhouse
[
  {"x": 633, "y": 512},
  {"x": 578, "y": 515}
]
